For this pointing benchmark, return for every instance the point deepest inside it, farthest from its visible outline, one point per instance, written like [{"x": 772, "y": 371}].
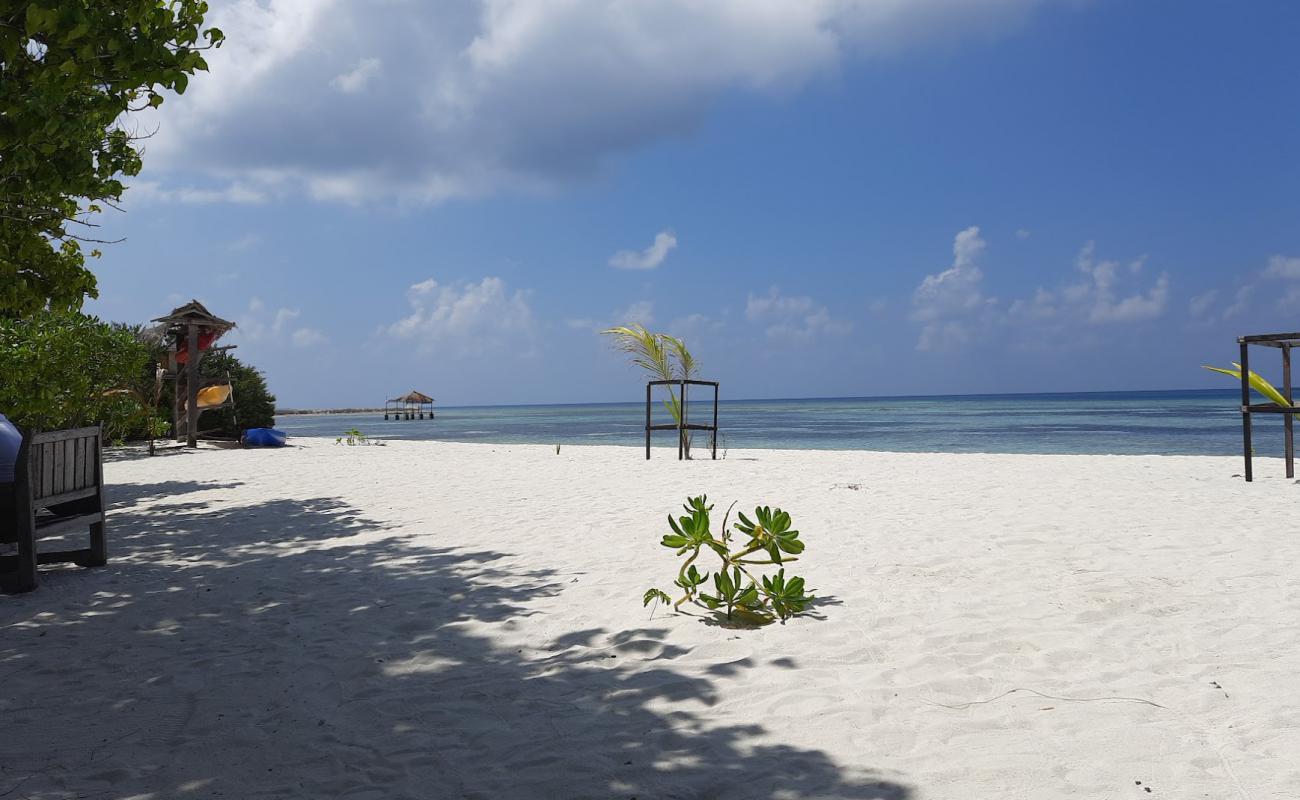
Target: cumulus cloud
[
  {"x": 1283, "y": 267},
  {"x": 1202, "y": 304},
  {"x": 466, "y": 318},
  {"x": 648, "y": 258},
  {"x": 954, "y": 309},
  {"x": 360, "y": 76},
  {"x": 1098, "y": 294},
  {"x": 792, "y": 318},
  {"x": 642, "y": 312},
  {"x": 483, "y": 95},
  {"x": 260, "y": 325}
]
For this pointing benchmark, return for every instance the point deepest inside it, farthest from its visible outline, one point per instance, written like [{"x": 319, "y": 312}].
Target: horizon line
[{"x": 969, "y": 395}]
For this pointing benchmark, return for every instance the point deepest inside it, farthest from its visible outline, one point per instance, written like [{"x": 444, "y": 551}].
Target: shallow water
[{"x": 1166, "y": 423}]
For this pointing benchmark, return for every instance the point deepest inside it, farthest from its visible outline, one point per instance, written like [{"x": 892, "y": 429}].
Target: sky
[{"x": 823, "y": 198}]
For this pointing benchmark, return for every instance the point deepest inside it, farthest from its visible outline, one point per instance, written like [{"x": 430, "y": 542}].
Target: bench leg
[
  {"x": 25, "y": 576},
  {"x": 97, "y": 556}
]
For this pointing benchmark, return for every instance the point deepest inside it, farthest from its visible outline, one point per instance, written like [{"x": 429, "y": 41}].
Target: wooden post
[
  {"x": 97, "y": 555},
  {"x": 192, "y": 386},
  {"x": 1245, "y": 407},
  {"x": 647, "y": 422},
  {"x": 1288, "y": 418},
  {"x": 684, "y": 447},
  {"x": 715, "y": 422}
]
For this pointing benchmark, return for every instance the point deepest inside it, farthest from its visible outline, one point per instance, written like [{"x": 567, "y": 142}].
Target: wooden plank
[
  {"x": 54, "y": 468},
  {"x": 66, "y": 497},
  {"x": 71, "y": 433},
  {"x": 1263, "y": 338},
  {"x": 1287, "y": 422},
  {"x": 70, "y": 464}
]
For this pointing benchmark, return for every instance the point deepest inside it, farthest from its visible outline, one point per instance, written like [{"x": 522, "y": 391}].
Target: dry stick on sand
[{"x": 963, "y": 706}]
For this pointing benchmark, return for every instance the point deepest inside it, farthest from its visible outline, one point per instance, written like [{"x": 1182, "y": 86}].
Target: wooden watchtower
[{"x": 192, "y": 331}]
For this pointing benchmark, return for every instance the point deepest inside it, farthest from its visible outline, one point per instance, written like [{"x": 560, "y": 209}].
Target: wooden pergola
[
  {"x": 412, "y": 405},
  {"x": 1284, "y": 342},
  {"x": 191, "y": 330},
  {"x": 683, "y": 425}
]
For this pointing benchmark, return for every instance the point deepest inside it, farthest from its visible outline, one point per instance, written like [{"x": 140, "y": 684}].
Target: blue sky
[{"x": 824, "y": 198}]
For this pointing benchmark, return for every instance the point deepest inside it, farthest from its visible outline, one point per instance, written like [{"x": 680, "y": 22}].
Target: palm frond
[
  {"x": 687, "y": 366},
  {"x": 646, "y": 349},
  {"x": 1257, "y": 382}
]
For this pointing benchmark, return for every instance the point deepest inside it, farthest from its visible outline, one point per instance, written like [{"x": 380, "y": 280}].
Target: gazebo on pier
[{"x": 412, "y": 405}]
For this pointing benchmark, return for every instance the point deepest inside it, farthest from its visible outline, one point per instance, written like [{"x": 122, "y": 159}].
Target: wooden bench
[{"x": 58, "y": 488}]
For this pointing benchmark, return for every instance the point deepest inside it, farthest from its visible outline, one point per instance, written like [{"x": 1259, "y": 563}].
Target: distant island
[{"x": 293, "y": 411}]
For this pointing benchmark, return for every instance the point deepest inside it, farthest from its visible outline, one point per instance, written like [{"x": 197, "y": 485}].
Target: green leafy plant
[
  {"x": 662, "y": 357},
  {"x": 737, "y": 593},
  {"x": 1257, "y": 382},
  {"x": 352, "y": 438}
]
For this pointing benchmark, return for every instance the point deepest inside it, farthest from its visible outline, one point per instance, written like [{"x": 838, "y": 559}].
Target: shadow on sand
[{"x": 297, "y": 649}]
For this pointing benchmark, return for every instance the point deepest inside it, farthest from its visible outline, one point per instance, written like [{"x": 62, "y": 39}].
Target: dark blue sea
[{"x": 1166, "y": 422}]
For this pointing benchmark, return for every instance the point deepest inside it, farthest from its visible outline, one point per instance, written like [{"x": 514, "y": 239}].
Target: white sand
[{"x": 431, "y": 620}]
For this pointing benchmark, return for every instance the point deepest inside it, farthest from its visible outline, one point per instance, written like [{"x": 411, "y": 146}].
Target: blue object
[
  {"x": 263, "y": 437},
  {"x": 10, "y": 441}
]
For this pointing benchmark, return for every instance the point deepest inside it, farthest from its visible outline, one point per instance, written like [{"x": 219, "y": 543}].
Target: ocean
[{"x": 1193, "y": 422}]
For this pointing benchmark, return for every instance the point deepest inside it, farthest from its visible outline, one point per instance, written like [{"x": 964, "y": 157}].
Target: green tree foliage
[
  {"x": 254, "y": 404},
  {"x": 65, "y": 370},
  {"x": 69, "y": 70}
]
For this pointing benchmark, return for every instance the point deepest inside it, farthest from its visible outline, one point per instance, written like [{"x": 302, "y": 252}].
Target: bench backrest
[{"x": 59, "y": 466}]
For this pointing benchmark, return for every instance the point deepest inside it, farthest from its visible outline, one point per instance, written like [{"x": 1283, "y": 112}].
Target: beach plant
[
  {"x": 740, "y": 591},
  {"x": 662, "y": 357},
  {"x": 1257, "y": 382},
  {"x": 352, "y": 438}
]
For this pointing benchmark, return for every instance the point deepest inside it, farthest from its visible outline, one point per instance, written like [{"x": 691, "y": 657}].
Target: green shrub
[
  {"x": 736, "y": 591},
  {"x": 65, "y": 370},
  {"x": 254, "y": 405}
]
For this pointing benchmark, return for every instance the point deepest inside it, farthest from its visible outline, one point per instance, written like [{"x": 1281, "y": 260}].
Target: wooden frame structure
[
  {"x": 409, "y": 406},
  {"x": 1284, "y": 342},
  {"x": 58, "y": 488},
  {"x": 192, "y": 330},
  {"x": 684, "y": 424}
]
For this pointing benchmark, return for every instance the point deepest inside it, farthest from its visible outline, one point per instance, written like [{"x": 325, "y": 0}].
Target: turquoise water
[{"x": 1169, "y": 423}]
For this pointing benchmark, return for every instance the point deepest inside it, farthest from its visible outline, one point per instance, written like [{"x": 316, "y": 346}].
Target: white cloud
[
  {"x": 306, "y": 337},
  {"x": 1283, "y": 267},
  {"x": 950, "y": 302},
  {"x": 255, "y": 326},
  {"x": 236, "y": 192},
  {"x": 1201, "y": 304},
  {"x": 640, "y": 313},
  {"x": 1098, "y": 295},
  {"x": 954, "y": 310},
  {"x": 1022, "y": 234},
  {"x": 648, "y": 258},
  {"x": 466, "y": 318},
  {"x": 246, "y": 242},
  {"x": 484, "y": 95},
  {"x": 357, "y": 78},
  {"x": 796, "y": 318}
]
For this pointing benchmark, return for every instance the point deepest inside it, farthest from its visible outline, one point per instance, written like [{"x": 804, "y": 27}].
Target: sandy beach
[{"x": 428, "y": 620}]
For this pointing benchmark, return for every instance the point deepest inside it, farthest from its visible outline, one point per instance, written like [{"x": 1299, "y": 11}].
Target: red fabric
[{"x": 205, "y": 341}]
